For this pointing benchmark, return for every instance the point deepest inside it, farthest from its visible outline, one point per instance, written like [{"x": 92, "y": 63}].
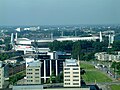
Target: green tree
[
  {"x": 116, "y": 46},
  {"x": 59, "y": 78},
  {"x": 76, "y": 49},
  {"x": 8, "y": 47}
]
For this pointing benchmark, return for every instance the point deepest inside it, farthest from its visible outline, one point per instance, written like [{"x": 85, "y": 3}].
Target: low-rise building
[{"x": 104, "y": 56}]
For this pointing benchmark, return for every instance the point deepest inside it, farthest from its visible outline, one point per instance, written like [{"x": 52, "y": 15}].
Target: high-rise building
[
  {"x": 71, "y": 70},
  {"x": 33, "y": 72},
  {"x": 1, "y": 75}
]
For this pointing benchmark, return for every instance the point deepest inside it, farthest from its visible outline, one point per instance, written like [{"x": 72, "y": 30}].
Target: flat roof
[{"x": 70, "y": 62}]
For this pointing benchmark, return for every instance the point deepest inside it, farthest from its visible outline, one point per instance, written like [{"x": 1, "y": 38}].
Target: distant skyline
[{"x": 59, "y": 12}]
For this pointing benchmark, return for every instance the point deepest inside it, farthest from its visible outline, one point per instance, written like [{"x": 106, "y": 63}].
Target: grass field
[
  {"x": 115, "y": 87},
  {"x": 86, "y": 66},
  {"x": 93, "y": 74}
]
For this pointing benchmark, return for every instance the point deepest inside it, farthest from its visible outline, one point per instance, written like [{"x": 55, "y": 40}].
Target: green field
[
  {"x": 93, "y": 74},
  {"x": 115, "y": 87},
  {"x": 86, "y": 66}
]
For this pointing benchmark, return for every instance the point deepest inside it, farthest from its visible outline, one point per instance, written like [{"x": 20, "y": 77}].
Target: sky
[{"x": 59, "y": 12}]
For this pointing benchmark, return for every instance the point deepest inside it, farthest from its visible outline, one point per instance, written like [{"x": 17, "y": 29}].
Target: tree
[
  {"x": 1, "y": 42},
  {"x": 76, "y": 49},
  {"x": 59, "y": 78},
  {"x": 52, "y": 78},
  {"x": 8, "y": 47},
  {"x": 13, "y": 79},
  {"x": 116, "y": 46},
  {"x": 116, "y": 66}
]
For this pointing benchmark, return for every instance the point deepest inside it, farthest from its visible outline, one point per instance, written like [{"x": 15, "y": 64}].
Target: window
[
  {"x": 67, "y": 72},
  {"x": 37, "y": 77},
  {"x": 67, "y": 79},
  {"x": 75, "y": 79},
  {"x": 29, "y": 80},
  {"x": 29, "y": 69},
  {"x": 36, "y": 69},
  {"x": 67, "y": 83},
  {"x": 36, "y": 80},
  {"x": 75, "y": 68},
  {"x": 29, "y": 73},
  {"x": 75, "y": 72},
  {"x": 29, "y": 77},
  {"x": 75, "y": 76},
  {"x": 67, "y": 68},
  {"x": 36, "y": 73},
  {"x": 67, "y": 76},
  {"x": 75, "y": 83}
]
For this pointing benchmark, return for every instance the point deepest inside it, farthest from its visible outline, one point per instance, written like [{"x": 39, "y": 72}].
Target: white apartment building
[
  {"x": 71, "y": 69},
  {"x": 33, "y": 73},
  {"x": 104, "y": 56},
  {"x": 1, "y": 75}
]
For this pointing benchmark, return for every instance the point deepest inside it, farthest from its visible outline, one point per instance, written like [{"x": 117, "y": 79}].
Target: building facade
[
  {"x": 52, "y": 63},
  {"x": 71, "y": 72},
  {"x": 104, "y": 56},
  {"x": 49, "y": 67},
  {"x": 1, "y": 75},
  {"x": 33, "y": 73}
]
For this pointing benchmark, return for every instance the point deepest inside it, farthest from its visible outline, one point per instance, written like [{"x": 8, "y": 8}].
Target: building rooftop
[
  {"x": 36, "y": 63},
  {"x": 23, "y": 39},
  {"x": 71, "y": 62}
]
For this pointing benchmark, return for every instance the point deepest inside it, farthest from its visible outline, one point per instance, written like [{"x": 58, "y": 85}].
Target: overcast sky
[{"x": 59, "y": 12}]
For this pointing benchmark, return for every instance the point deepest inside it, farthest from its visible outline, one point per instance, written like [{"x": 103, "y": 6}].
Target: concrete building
[
  {"x": 1, "y": 75},
  {"x": 49, "y": 67},
  {"x": 11, "y": 61},
  {"x": 33, "y": 72},
  {"x": 104, "y": 56},
  {"x": 51, "y": 62},
  {"x": 71, "y": 70},
  {"x": 28, "y": 60}
]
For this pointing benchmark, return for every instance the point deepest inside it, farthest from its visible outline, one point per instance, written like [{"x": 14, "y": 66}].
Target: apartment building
[
  {"x": 33, "y": 73},
  {"x": 1, "y": 75},
  {"x": 104, "y": 56},
  {"x": 71, "y": 69}
]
